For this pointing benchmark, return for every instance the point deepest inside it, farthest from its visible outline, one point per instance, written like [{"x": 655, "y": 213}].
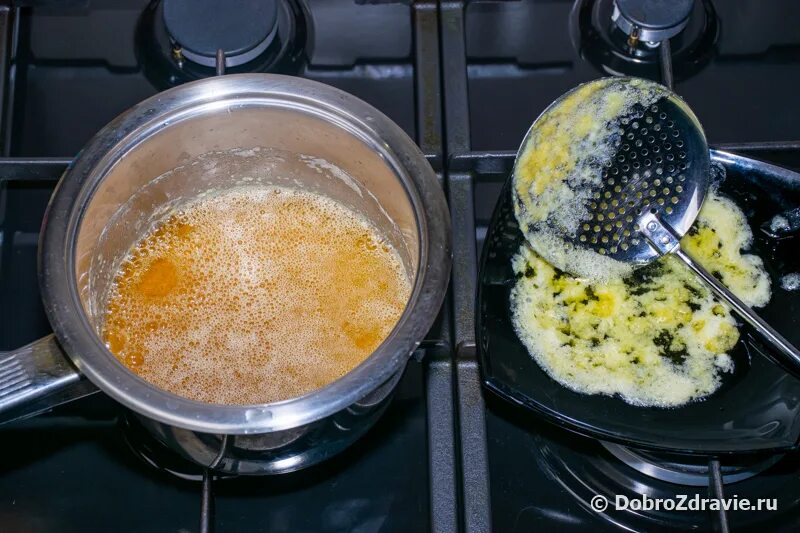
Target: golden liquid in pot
[{"x": 254, "y": 296}]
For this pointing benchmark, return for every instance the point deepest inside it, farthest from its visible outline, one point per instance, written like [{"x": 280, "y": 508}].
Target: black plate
[{"x": 756, "y": 409}]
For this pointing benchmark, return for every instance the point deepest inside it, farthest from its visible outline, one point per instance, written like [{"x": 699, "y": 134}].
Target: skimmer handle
[
  {"x": 662, "y": 238},
  {"x": 790, "y": 356}
]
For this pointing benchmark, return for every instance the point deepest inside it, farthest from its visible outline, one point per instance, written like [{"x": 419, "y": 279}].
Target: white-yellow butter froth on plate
[{"x": 655, "y": 336}]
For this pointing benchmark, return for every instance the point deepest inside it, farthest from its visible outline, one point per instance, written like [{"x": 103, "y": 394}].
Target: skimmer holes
[{"x": 645, "y": 173}]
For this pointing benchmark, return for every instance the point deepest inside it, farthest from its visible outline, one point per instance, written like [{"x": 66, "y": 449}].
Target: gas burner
[
  {"x": 688, "y": 470},
  {"x": 651, "y": 20},
  {"x": 241, "y": 29},
  {"x": 179, "y": 40},
  {"x": 155, "y": 454},
  {"x": 586, "y": 468},
  {"x": 622, "y": 37}
]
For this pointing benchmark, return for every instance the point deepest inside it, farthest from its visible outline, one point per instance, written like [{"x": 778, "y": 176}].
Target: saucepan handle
[{"x": 36, "y": 378}]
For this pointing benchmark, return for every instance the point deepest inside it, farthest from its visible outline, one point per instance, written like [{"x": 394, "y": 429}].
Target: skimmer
[{"x": 640, "y": 182}]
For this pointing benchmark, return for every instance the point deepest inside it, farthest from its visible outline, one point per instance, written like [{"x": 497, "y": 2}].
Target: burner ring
[
  {"x": 685, "y": 473},
  {"x": 145, "y": 447},
  {"x": 582, "y": 468},
  {"x": 231, "y": 60}
]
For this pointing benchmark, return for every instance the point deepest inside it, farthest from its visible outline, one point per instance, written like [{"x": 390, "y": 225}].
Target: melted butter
[
  {"x": 655, "y": 337},
  {"x": 254, "y": 296},
  {"x": 158, "y": 279},
  {"x": 716, "y": 240}
]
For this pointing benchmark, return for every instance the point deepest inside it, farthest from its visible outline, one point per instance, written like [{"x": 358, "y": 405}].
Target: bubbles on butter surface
[
  {"x": 584, "y": 263},
  {"x": 656, "y": 337},
  {"x": 561, "y": 164},
  {"x": 270, "y": 293},
  {"x": 791, "y": 282},
  {"x": 779, "y": 223}
]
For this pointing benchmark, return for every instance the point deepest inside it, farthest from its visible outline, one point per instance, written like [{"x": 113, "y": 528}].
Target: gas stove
[{"x": 465, "y": 80}]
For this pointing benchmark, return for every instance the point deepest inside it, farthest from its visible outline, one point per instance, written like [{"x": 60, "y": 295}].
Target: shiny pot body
[
  {"x": 281, "y": 451},
  {"x": 190, "y": 141}
]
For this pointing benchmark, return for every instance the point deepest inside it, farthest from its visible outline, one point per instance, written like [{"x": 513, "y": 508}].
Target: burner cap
[
  {"x": 243, "y": 29},
  {"x": 652, "y": 20}
]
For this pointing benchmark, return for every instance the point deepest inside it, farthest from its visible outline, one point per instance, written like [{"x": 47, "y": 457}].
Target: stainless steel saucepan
[{"x": 205, "y": 136}]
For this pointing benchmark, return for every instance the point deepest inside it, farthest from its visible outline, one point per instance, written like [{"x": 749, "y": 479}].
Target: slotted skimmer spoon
[{"x": 653, "y": 186}]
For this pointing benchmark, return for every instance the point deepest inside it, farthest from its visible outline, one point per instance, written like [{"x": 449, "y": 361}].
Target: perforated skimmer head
[
  {"x": 604, "y": 161},
  {"x": 660, "y": 169}
]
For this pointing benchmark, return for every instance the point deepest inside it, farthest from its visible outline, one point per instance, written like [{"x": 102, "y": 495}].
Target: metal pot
[{"x": 198, "y": 137}]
